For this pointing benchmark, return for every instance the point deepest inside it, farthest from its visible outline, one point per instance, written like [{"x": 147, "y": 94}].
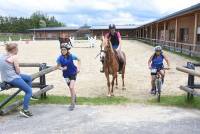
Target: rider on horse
[{"x": 115, "y": 39}]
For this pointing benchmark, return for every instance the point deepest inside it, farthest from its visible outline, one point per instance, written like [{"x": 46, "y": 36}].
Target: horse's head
[{"x": 106, "y": 45}]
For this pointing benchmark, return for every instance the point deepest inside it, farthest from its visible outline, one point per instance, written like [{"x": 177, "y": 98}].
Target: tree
[{"x": 20, "y": 25}]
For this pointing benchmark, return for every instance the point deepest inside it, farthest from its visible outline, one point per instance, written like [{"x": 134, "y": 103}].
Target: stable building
[
  {"x": 179, "y": 31},
  {"x": 51, "y": 33}
]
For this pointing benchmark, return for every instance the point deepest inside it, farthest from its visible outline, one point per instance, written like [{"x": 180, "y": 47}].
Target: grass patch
[
  {"x": 80, "y": 100},
  {"x": 178, "y": 101}
]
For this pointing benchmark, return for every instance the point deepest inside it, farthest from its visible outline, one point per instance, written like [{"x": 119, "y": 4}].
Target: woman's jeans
[{"x": 24, "y": 83}]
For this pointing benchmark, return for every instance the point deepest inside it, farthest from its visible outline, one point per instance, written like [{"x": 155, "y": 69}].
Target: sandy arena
[{"x": 91, "y": 82}]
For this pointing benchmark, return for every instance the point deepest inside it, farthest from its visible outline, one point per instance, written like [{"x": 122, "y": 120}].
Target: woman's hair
[{"x": 11, "y": 46}]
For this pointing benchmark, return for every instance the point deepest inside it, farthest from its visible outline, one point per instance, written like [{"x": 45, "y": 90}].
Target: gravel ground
[{"x": 122, "y": 119}]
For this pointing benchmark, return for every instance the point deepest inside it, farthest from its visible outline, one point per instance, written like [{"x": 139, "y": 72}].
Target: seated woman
[{"x": 10, "y": 73}]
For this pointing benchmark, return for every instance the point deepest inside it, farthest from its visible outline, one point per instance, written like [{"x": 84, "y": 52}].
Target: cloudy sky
[{"x": 96, "y": 12}]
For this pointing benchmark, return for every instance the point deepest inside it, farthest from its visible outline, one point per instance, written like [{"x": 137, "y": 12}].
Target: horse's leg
[
  {"x": 116, "y": 82},
  {"x": 113, "y": 81},
  {"x": 123, "y": 72},
  {"x": 108, "y": 82},
  {"x": 123, "y": 84}
]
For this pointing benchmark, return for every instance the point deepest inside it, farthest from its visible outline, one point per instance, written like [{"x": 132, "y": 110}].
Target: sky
[{"x": 96, "y": 12}]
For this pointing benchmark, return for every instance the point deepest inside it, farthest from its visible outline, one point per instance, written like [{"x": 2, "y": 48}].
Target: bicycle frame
[{"x": 158, "y": 83}]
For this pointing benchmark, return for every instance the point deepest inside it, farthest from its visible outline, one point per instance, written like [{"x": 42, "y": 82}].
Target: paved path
[{"x": 130, "y": 119}]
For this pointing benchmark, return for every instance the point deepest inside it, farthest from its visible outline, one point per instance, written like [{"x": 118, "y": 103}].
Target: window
[{"x": 184, "y": 34}]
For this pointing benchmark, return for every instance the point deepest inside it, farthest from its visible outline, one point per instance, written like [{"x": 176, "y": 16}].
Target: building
[
  {"x": 179, "y": 31},
  {"x": 80, "y": 32}
]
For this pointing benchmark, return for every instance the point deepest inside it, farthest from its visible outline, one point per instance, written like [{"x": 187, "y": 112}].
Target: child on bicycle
[
  {"x": 156, "y": 62},
  {"x": 65, "y": 62}
]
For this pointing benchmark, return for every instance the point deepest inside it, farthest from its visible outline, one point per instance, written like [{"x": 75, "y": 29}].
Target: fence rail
[{"x": 180, "y": 47}]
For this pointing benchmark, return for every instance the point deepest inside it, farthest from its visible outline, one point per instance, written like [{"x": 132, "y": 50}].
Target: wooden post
[
  {"x": 165, "y": 31},
  {"x": 156, "y": 31},
  {"x": 146, "y": 30},
  {"x": 151, "y": 34},
  {"x": 176, "y": 32},
  {"x": 195, "y": 31},
  {"x": 43, "y": 79},
  {"x": 136, "y": 33}
]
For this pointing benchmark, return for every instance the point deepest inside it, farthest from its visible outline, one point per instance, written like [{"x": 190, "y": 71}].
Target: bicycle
[{"x": 158, "y": 82}]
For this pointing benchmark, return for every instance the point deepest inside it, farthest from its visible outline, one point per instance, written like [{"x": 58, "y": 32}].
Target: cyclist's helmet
[
  {"x": 66, "y": 45},
  {"x": 158, "y": 48},
  {"x": 112, "y": 26}
]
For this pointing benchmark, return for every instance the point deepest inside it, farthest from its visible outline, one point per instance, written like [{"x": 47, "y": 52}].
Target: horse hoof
[
  {"x": 109, "y": 95},
  {"x": 123, "y": 88},
  {"x": 112, "y": 94},
  {"x": 116, "y": 87}
]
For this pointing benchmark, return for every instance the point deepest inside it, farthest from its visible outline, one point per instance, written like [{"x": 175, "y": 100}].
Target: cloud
[{"x": 96, "y": 12}]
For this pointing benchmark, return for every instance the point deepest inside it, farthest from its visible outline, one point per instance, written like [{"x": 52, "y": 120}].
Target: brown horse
[{"x": 112, "y": 65}]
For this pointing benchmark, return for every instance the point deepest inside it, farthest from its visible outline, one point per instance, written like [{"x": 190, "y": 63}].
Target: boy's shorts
[
  {"x": 157, "y": 70},
  {"x": 69, "y": 78}
]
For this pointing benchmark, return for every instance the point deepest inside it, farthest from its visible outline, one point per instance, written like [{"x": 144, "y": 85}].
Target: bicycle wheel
[{"x": 158, "y": 88}]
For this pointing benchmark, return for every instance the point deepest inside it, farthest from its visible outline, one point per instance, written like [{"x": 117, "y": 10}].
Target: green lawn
[
  {"x": 178, "y": 101},
  {"x": 80, "y": 100}
]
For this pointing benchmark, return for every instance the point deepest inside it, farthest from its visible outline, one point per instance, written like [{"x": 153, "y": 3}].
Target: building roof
[
  {"x": 105, "y": 27},
  {"x": 54, "y": 29},
  {"x": 176, "y": 14},
  {"x": 181, "y": 12},
  {"x": 99, "y": 27}
]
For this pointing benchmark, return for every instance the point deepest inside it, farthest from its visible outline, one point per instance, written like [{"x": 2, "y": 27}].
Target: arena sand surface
[
  {"x": 92, "y": 83},
  {"x": 122, "y": 119}
]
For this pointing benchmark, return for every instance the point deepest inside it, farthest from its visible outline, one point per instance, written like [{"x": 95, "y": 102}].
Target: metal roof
[
  {"x": 99, "y": 27},
  {"x": 181, "y": 12},
  {"x": 176, "y": 14},
  {"x": 105, "y": 27},
  {"x": 54, "y": 29}
]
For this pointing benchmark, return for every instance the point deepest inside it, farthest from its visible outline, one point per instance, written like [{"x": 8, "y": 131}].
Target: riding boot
[
  {"x": 163, "y": 79},
  {"x": 102, "y": 68}
]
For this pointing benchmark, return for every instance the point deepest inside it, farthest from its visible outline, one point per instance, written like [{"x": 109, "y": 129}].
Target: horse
[
  {"x": 65, "y": 40},
  {"x": 111, "y": 65}
]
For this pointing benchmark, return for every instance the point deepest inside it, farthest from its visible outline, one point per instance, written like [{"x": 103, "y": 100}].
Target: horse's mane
[{"x": 107, "y": 44}]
